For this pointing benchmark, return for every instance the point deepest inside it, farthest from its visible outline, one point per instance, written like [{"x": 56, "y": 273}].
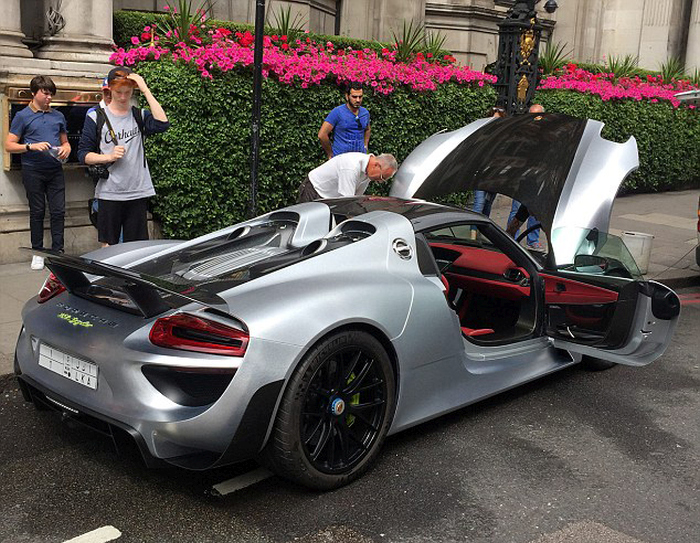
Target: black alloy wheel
[{"x": 335, "y": 412}]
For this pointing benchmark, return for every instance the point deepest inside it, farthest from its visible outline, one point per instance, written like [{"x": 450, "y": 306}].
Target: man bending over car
[{"x": 345, "y": 175}]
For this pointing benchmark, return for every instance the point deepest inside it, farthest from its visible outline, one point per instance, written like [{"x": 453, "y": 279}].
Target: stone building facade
[
  {"x": 70, "y": 40},
  {"x": 74, "y": 51},
  {"x": 652, "y": 30}
]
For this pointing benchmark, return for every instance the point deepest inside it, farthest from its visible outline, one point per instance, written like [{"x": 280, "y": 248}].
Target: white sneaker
[{"x": 37, "y": 262}]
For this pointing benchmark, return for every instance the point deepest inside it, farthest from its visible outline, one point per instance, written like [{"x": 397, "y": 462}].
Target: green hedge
[{"x": 201, "y": 165}]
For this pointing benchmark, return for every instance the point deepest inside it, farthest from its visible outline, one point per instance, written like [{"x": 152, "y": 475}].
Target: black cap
[{"x": 113, "y": 73}]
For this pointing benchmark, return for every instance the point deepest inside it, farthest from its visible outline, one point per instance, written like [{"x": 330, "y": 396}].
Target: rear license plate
[{"x": 73, "y": 368}]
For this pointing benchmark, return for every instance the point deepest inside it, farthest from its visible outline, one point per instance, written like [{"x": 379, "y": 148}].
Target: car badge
[{"x": 337, "y": 407}]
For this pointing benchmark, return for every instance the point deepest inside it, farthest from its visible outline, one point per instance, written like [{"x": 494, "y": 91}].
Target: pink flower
[{"x": 135, "y": 40}]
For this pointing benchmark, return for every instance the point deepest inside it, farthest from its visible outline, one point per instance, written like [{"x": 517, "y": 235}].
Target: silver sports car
[{"x": 305, "y": 336}]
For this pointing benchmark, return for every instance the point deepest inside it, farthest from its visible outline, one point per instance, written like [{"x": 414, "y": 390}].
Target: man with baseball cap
[
  {"x": 125, "y": 185},
  {"x": 106, "y": 95}
]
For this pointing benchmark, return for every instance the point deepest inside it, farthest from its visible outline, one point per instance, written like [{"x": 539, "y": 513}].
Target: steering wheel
[{"x": 530, "y": 229}]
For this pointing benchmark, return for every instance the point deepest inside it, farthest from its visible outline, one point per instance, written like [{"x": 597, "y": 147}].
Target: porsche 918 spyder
[{"x": 305, "y": 336}]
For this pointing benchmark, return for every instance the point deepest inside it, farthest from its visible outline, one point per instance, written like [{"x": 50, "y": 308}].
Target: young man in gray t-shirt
[{"x": 123, "y": 195}]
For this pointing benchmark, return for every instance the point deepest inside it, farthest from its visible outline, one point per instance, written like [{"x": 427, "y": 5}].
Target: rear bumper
[
  {"x": 35, "y": 393},
  {"x": 246, "y": 442}
]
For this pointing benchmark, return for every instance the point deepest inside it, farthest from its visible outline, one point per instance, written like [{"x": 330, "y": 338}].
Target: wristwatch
[{"x": 27, "y": 146}]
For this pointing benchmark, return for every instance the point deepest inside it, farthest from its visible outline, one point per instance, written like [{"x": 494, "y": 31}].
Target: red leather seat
[{"x": 476, "y": 332}]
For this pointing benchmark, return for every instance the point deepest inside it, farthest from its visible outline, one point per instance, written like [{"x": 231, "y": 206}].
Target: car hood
[{"x": 558, "y": 166}]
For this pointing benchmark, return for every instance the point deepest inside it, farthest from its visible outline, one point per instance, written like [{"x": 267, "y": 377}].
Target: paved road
[{"x": 577, "y": 457}]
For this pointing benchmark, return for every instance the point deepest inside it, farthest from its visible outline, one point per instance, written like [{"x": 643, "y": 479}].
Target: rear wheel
[{"x": 335, "y": 412}]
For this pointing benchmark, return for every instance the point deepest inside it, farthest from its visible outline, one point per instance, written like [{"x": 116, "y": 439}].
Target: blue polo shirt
[
  {"x": 348, "y": 129},
  {"x": 33, "y": 126}
]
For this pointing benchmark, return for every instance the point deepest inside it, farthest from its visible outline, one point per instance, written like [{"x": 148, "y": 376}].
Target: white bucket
[{"x": 639, "y": 245}]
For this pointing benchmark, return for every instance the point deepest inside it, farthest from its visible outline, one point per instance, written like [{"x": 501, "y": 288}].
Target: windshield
[{"x": 573, "y": 245}]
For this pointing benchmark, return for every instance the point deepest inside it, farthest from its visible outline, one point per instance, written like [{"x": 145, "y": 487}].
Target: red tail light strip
[
  {"x": 52, "y": 287},
  {"x": 190, "y": 333}
]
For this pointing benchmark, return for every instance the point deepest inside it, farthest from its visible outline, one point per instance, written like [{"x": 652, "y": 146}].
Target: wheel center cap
[{"x": 337, "y": 407}]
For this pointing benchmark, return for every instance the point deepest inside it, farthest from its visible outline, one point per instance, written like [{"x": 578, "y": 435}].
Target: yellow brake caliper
[{"x": 355, "y": 400}]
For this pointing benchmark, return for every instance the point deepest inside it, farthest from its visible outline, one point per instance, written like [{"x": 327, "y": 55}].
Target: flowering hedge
[
  {"x": 608, "y": 87},
  {"x": 201, "y": 165},
  {"x": 305, "y": 62}
]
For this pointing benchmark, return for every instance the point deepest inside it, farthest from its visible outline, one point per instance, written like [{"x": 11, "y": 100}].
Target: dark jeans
[
  {"x": 307, "y": 192},
  {"x": 122, "y": 216},
  {"x": 43, "y": 185}
]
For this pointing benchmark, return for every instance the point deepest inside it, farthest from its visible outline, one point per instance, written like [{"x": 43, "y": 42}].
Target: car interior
[{"x": 490, "y": 292}]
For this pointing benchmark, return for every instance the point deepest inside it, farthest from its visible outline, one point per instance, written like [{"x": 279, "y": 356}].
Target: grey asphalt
[
  {"x": 671, "y": 217},
  {"x": 575, "y": 457}
]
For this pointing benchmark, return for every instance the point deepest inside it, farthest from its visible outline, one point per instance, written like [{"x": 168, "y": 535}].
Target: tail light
[
  {"x": 190, "y": 333},
  {"x": 52, "y": 287}
]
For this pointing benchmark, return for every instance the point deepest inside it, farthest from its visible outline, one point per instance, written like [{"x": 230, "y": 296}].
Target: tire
[
  {"x": 596, "y": 364},
  {"x": 334, "y": 414}
]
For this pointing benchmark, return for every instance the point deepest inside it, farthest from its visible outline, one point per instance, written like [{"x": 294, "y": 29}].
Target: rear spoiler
[{"x": 144, "y": 290}]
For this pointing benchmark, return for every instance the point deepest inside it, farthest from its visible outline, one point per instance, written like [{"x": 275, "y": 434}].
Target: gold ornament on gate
[
  {"x": 523, "y": 85},
  {"x": 527, "y": 45}
]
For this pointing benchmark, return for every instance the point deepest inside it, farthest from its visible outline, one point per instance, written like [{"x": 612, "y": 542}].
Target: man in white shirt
[{"x": 345, "y": 175}]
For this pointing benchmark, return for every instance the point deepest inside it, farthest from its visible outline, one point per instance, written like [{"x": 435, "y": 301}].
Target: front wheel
[{"x": 335, "y": 412}]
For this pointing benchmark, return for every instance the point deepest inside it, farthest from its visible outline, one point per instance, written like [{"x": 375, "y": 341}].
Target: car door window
[
  {"x": 491, "y": 294},
  {"x": 592, "y": 252}
]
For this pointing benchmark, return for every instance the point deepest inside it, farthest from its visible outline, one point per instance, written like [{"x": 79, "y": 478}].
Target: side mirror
[{"x": 590, "y": 264}]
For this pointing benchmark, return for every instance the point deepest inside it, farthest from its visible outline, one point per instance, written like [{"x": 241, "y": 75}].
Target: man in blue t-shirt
[
  {"x": 349, "y": 124},
  {"x": 39, "y": 134}
]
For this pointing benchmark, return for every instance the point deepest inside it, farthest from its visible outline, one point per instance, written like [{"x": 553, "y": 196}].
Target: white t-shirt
[{"x": 341, "y": 176}]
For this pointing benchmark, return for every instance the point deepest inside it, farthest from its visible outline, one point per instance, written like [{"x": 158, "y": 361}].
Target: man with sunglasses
[
  {"x": 349, "y": 124},
  {"x": 345, "y": 175}
]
